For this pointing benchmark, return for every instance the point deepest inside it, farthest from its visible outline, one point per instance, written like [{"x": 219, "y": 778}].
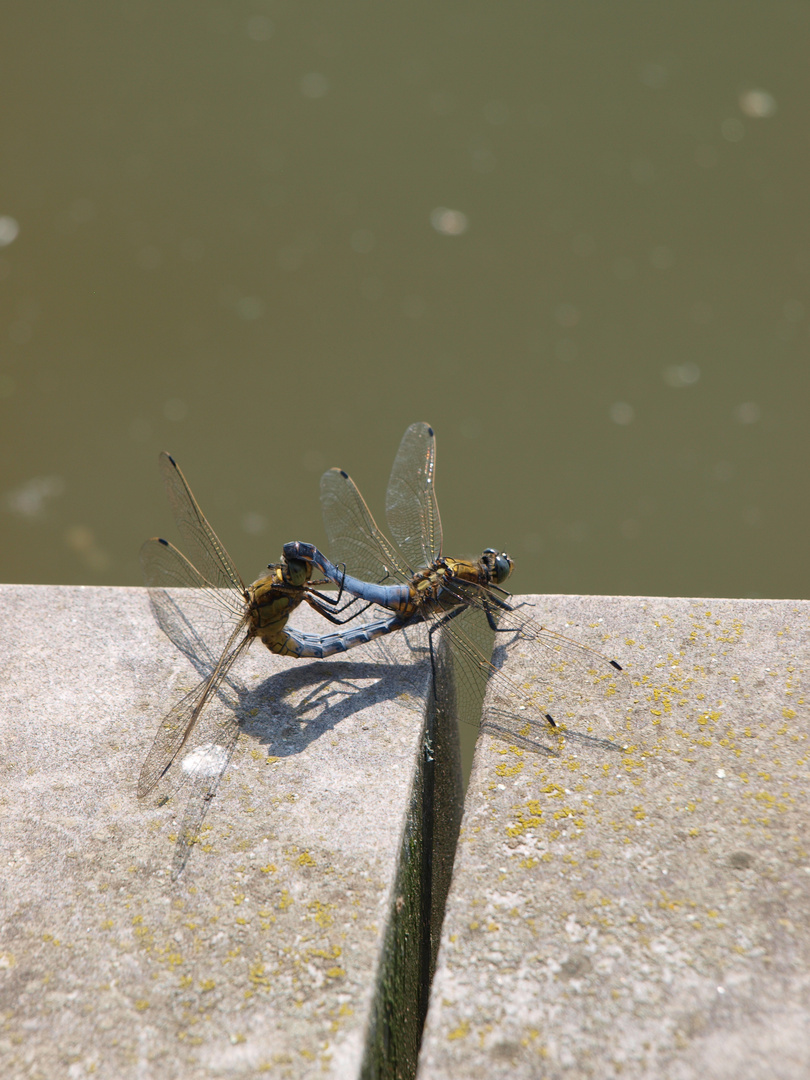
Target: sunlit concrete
[
  {"x": 268, "y": 951},
  {"x": 641, "y": 910}
]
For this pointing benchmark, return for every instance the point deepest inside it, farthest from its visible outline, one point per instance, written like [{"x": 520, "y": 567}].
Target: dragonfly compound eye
[
  {"x": 503, "y": 567},
  {"x": 297, "y": 572},
  {"x": 499, "y": 564}
]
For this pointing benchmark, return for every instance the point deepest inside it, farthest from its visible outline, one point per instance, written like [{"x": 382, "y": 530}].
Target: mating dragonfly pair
[{"x": 461, "y": 605}]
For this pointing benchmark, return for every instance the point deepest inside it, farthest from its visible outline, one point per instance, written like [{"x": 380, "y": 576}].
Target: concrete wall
[
  {"x": 633, "y": 901},
  {"x": 279, "y": 948},
  {"x": 641, "y": 911}
]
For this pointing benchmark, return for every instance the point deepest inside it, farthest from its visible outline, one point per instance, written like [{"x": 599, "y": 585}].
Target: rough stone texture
[
  {"x": 640, "y": 913},
  {"x": 264, "y": 957}
]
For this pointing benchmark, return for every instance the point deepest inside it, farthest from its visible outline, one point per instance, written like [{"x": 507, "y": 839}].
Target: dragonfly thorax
[{"x": 273, "y": 597}]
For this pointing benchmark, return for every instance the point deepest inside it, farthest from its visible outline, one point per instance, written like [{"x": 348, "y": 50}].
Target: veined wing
[
  {"x": 354, "y": 538},
  {"x": 205, "y": 767},
  {"x": 178, "y": 724},
  {"x": 164, "y": 567},
  {"x": 410, "y": 501},
  {"x": 466, "y": 674},
  {"x": 196, "y": 617},
  {"x": 539, "y": 640},
  {"x": 512, "y": 711},
  {"x": 204, "y": 546}
]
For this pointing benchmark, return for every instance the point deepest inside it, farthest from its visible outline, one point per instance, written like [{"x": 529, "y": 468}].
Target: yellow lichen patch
[
  {"x": 335, "y": 972},
  {"x": 461, "y": 1032},
  {"x": 305, "y": 859},
  {"x": 326, "y": 954},
  {"x": 285, "y": 900},
  {"x": 141, "y": 1004},
  {"x": 509, "y": 770},
  {"x": 524, "y": 821},
  {"x": 321, "y": 913},
  {"x": 271, "y": 868},
  {"x": 257, "y": 976}
]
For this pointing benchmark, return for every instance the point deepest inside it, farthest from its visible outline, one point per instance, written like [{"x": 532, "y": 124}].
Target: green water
[{"x": 267, "y": 237}]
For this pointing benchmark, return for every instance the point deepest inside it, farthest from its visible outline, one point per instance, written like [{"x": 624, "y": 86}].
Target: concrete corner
[
  {"x": 272, "y": 949},
  {"x": 642, "y": 910}
]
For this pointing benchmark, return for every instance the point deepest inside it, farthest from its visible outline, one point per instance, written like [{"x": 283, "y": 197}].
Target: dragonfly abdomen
[
  {"x": 316, "y": 646},
  {"x": 394, "y": 597}
]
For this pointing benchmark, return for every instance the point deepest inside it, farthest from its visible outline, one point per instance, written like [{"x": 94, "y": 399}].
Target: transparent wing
[
  {"x": 205, "y": 768},
  {"x": 197, "y": 618},
  {"x": 204, "y": 546},
  {"x": 178, "y": 724},
  {"x": 461, "y": 686},
  {"x": 410, "y": 502},
  {"x": 354, "y": 538},
  {"x": 516, "y": 712},
  {"x": 164, "y": 567},
  {"x": 537, "y": 639}
]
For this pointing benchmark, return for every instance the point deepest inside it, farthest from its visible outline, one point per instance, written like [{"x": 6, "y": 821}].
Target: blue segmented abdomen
[
  {"x": 307, "y": 646},
  {"x": 393, "y": 597}
]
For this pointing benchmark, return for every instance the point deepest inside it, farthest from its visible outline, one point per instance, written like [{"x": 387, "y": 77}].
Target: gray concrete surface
[
  {"x": 266, "y": 956},
  {"x": 640, "y": 912}
]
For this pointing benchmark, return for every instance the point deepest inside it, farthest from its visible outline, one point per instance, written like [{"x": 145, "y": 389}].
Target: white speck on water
[
  {"x": 9, "y": 230},
  {"x": 449, "y": 222}
]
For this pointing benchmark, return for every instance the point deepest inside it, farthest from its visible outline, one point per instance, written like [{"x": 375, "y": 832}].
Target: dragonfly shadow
[
  {"x": 284, "y": 714},
  {"x": 292, "y": 709}
]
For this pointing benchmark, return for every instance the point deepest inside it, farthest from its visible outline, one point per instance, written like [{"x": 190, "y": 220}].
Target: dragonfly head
[
  {"x": 498, "y": 565},
  {"x": 296, "y": 571}
]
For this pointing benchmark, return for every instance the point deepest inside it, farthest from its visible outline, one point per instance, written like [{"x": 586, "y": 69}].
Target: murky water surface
[{"x": 269, "y": 236}]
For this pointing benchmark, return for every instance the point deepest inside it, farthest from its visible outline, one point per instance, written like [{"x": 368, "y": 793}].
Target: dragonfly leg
[{"x": 317, "y": 601}]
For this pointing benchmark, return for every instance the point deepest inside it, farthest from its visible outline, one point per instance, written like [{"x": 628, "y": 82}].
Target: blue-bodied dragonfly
[
  {"x": 461, "y": 600},
  {"x": 234, "y": 614}
]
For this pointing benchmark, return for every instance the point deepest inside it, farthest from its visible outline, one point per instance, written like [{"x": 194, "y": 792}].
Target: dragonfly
[
  {"x": 235, "y": 614},
  {"x": 462, "y": 602}
]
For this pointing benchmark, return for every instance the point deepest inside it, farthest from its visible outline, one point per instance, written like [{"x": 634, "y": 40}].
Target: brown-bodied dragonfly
[
  {"x": 235, "y": 614},
  {"x": 460, "y": 600}
]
